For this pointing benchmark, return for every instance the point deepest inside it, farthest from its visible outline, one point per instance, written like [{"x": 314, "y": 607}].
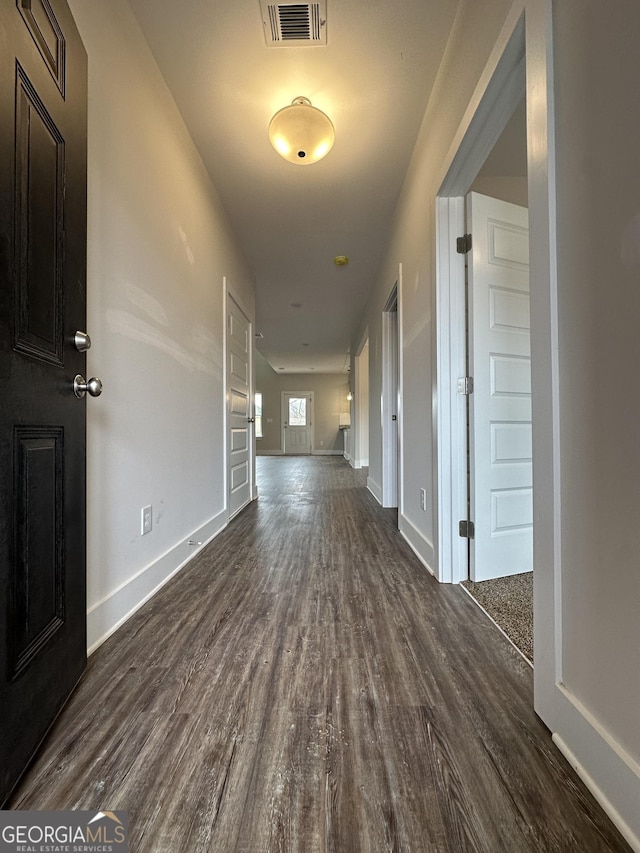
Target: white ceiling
[{"x": 373, "y": 79}]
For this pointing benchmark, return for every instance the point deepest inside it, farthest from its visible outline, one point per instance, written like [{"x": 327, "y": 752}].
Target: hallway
[{"x": 305, "y": 685}]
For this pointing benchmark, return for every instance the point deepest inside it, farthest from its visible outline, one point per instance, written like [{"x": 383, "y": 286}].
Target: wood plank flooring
[{"x": 305, "y": 685}]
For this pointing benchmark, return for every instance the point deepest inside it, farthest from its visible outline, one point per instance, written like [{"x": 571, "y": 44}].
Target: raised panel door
[
  {"x": 501, "y": 490},
  {"x": 43, "y": 102}
]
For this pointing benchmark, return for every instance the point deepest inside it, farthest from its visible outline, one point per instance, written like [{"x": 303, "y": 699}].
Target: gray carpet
[{"x": 509, "y": 601}]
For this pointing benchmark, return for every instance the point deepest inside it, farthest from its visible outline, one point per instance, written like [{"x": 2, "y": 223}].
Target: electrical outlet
[
  {"x": 146, "y": 519},
  {"x": 322, "y": 444},
  {"x": 423, "y": 498}
]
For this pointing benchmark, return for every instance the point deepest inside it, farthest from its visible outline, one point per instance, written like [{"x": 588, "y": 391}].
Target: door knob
[
  {"x": 93, "y": 386},
  {"x": 82, "y": 341}
]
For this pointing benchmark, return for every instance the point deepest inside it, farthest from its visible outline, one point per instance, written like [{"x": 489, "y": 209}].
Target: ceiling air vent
[{"x": 294, "y": 24}]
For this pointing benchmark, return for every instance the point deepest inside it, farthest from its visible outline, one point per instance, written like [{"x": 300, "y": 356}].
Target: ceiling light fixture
[
  {"x": 300, "y": 133},
  {"x": 341, "y": 260}
]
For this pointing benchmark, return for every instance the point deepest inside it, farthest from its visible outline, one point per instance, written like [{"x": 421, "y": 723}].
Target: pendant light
[{"x": 301, "y": 133}]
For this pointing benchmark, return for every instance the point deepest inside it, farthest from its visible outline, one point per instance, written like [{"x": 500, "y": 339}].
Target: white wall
[
  {"x": 599, "y": 310},
  {"x": 598, "y": 175},
  {"x": 588, "y": 689},
  {"x": 159, "y": 246}
]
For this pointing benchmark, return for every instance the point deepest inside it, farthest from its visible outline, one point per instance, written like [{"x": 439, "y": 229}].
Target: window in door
[{"x": 297, "y": 411}]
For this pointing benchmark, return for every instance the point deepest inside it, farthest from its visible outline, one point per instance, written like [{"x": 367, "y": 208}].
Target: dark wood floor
[{"x": 305, "y": 685}]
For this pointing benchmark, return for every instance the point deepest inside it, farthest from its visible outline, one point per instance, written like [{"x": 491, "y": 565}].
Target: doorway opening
[
  {"x": 485, "y": 517},
  {"x": 497, "y": 333},
  {"x": 503, "y": 97}
]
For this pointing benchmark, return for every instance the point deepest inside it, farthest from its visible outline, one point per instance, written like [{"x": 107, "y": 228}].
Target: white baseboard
[
  {"x": 107, "y": 615},
  {"x": 375, "y": 489},
  {"x": 417, "y": 541},
  {"x": 313, "y": 453},
  {"x": 610, "y": 773},
  {"x": 359, "y": 463}
]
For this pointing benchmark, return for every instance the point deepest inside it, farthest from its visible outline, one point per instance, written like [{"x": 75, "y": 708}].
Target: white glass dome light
[{"x": 300, "y": 133}]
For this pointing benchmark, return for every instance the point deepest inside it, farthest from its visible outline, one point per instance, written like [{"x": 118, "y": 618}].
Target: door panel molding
[
  {"x": 39, "y": 196},
  {"x": 36, "y": 605},
  {"x": 46, "y": 32}
]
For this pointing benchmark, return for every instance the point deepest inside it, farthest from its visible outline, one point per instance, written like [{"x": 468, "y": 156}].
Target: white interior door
[
  {"x": 297, "y": 422},
  {"x": 390, "y": 401},
  {"x": 500, "y": 481},
  {"x": 240, "y": 444}
]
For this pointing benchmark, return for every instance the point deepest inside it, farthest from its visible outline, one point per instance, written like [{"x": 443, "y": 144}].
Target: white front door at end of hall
[{"x": 297, "y": 422}]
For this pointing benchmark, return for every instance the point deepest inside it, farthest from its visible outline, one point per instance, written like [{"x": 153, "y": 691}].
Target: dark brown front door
[{"x": 43, "y": 100}]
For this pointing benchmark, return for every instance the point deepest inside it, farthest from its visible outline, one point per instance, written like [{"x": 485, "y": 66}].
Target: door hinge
[
  {"x": 465, "y": 385},
  {"x": 463, "y": 244},
  {"x": 466, "y": 529}
]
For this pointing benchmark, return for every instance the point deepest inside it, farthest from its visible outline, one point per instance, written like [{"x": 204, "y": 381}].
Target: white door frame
[
  {"x": 485, "y": 120},
  {"x": 283, "y": 409},
  {"x": 392, "y": 398}
]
